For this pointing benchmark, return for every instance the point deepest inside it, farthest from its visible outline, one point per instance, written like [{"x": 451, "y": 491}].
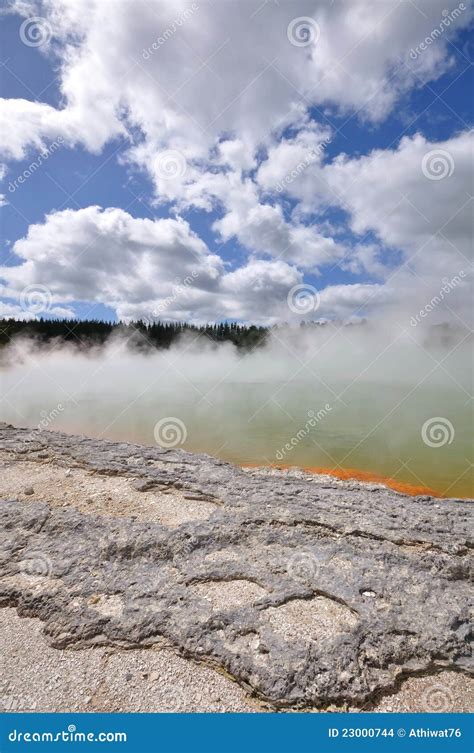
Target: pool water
[
  {"x": 377, "y": 430},
  {"x": 407, "y": 418}
]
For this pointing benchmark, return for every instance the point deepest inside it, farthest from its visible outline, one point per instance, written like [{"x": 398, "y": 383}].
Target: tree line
[{"x": 86, "y": 333}]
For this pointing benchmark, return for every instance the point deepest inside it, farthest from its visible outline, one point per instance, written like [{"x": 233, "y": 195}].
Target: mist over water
[{"x": 379, "y": 399}]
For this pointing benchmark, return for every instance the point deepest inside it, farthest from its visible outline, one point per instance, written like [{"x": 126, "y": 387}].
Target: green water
[{"x": 371, "y": 427}]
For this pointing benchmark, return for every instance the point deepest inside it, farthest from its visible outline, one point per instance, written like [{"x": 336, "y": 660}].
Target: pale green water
[
  {"x": 378, "y": 429},
  {"x": 373, "y": 396}
]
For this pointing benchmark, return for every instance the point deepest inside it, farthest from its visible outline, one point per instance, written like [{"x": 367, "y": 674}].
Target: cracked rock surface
[{"x": 306, "y": 591}]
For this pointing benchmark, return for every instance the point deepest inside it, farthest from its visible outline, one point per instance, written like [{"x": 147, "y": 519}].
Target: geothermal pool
[
  {"x": 421, "y": 439},
  {"x": 363, "y": 401}
]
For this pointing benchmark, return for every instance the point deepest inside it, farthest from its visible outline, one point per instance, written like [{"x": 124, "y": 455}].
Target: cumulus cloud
[
  {"x": 227, "y": 108},
  {"x": 185, "y": 73},
  {"x": 142, "y": 268},
  {"x": 261, "y": 227},
  {"x": 93, "y": 254},
  {"x": 416, "y": 198},
  {"x": 261, "y": 286},
  {"x": 291, "y": 163},
  {"x": 13, "y": 310},
  {"x": 408, "y": 193}
]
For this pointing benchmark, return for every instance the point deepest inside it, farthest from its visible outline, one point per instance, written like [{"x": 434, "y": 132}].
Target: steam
[{"x": 357, "y": 396}]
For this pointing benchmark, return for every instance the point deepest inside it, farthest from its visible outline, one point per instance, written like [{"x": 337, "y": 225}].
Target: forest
[{"x": 140, "y": 335}]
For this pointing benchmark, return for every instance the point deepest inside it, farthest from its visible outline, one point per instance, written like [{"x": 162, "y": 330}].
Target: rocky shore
[{"x": 214, "y": 588}]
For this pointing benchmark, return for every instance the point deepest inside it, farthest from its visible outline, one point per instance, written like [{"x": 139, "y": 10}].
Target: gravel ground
[
  {"x": 97, "y": 495},
  {"x": 37, "y": 677}
]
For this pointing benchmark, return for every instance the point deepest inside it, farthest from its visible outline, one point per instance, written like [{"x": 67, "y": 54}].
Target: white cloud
[
  {"x": 415, "y": 198},
  {"x": 388, "y": 190},
  {"x": 109, "y": 256},
  {"x": 346, "y": 301},
  {"x": 29, "y": 125},
  {"x": 260, "y": 286},
  {"x": 229, "y": 95},
  {"x": 13, "y": 311},
  {"x": 400, "y": 195},
  {"x": 225, "y": 68},
  {"x": 290, "y": 166},
  {"x": 142, "y": 268},
  {"x": 366, "y": 258},
  {"x": 262, "y": 228}
]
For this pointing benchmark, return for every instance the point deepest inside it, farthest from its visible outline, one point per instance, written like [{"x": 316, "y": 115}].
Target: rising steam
[{"x": 355, "y": 396}]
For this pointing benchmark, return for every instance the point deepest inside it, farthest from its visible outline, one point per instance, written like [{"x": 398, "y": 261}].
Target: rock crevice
[{"x": 308, "y": 593}]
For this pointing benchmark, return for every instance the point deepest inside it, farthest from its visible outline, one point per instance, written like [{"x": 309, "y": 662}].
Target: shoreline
[
  {"x": 190, "y": 538},
  {"x": 364, "y": 477},
  {"x": 349, "y": 475}
]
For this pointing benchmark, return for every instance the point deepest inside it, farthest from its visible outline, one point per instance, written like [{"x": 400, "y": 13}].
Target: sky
[{"x": 237, "y": 160}]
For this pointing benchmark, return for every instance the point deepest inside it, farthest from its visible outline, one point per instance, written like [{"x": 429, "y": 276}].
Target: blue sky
[{"x": 57, "y": 92}]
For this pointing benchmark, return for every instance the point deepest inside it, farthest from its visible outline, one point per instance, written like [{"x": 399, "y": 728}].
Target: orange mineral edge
[{"x": 347, "y": 474}]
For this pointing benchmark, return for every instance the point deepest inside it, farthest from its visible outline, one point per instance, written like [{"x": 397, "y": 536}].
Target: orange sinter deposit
[{"x": 348, "y": 474}]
